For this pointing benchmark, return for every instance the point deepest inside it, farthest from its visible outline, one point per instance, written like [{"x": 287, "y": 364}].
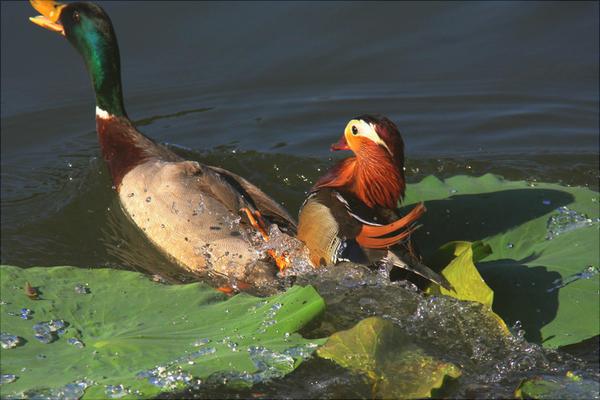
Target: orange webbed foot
[
  {"x": 282, "y": 261},
  {"x": 257, "y": 222}
]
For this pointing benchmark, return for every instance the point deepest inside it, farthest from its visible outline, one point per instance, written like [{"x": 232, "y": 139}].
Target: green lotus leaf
[
  {"x": 141, "y": 338},
  {"x": 395, "y": 366},
  {"x": 570, "y": 386},
  {"x": 545, "y": 257}
]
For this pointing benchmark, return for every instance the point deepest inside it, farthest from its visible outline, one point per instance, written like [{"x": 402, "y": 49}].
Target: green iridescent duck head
[{"x": 89, "y": 29}]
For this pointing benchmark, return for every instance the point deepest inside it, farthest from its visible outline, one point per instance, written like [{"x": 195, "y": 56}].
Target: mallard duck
[
  {"x": 203, "y": 217},
  {"x": 351, "y": 212}
]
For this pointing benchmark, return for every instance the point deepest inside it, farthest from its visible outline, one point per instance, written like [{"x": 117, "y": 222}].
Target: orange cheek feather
[{"x": 377, "y": 180}]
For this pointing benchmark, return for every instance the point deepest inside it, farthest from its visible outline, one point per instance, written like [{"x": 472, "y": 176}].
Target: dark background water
[
  {"x": 264, "y": 88},
  {"x": 510, "y": 88}
]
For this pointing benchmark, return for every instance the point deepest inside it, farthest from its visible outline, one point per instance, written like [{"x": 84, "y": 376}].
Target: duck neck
[
  {"x": 377, "y": 181},
  {"x": 103, "y": 64},
  {"x": 373, "y": 178}
]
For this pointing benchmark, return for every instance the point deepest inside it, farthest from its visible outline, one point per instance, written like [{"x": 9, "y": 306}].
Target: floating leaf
[
  {"x": 128, "y": 336},
  {"x": 396, "y": 367},
  {"x": 566, "y": 387},
  {"x": 461, "y": 272},
  {"x": 545, "y": 257}
]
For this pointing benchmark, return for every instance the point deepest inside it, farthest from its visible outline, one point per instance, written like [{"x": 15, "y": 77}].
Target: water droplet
[
  {"x": 70, "y": 391},
  {"x": 452, "y": 191},
  {"x": 201, "y": 342},
  {"x": 26, "y": 313},
  {"x": 46, "y": 332},
  {"x": 510, "y": 245},
  {"x": 76, "y": 342},
  {"x": 546, "y": 202},
  {"x": 7, "y": 378},
  {"x": 116, "y": 391},
  {"x": 148, "y": 199},
  {"x": 166, "y": 378},
  {"x": 81, "y": 289},
  {"x": 587, "y": 273},
  {"x": 9, "y": 341}
]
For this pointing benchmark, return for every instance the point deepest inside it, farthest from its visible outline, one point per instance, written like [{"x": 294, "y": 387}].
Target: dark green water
[{"x": 264, "y": 88}]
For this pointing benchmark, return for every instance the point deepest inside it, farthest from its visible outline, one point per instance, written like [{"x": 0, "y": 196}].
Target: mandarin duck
[
  {"x": 203, "y": 217},
  {"x": 351, "y": 212}
]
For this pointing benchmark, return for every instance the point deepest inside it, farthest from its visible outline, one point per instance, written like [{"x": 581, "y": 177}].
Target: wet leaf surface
[
  {"x": 396, "y": 367},
  {"x": 140, "y": 338},
  {"x": 462, "y": 274},
  {"x": 544, "y": 237},
  {"x": 569, "y": 386}
]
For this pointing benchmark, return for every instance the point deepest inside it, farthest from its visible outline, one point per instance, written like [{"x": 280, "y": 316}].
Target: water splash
[
  {"x": 293, "y": 249},
  {"x": 461, "y": 332},
  {"x": 171, "y": 376},
  {"x": 269, "y": 364}
]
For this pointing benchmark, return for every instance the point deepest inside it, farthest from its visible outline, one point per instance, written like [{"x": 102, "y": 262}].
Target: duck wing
[{"x": 258, "y": 200}]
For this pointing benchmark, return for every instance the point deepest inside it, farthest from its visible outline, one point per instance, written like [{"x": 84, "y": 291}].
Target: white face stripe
[
  {"x": 100, "y": 113},
  {"x": 366, "y": 130}
]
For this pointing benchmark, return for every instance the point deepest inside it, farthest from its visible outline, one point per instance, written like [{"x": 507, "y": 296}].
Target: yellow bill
[{"x": 50, "y": 11}]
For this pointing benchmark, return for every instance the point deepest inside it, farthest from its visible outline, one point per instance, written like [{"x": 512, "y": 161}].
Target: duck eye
[
  {"x": 76, "y": 16},
  {"x": 354, "y": 130}
]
